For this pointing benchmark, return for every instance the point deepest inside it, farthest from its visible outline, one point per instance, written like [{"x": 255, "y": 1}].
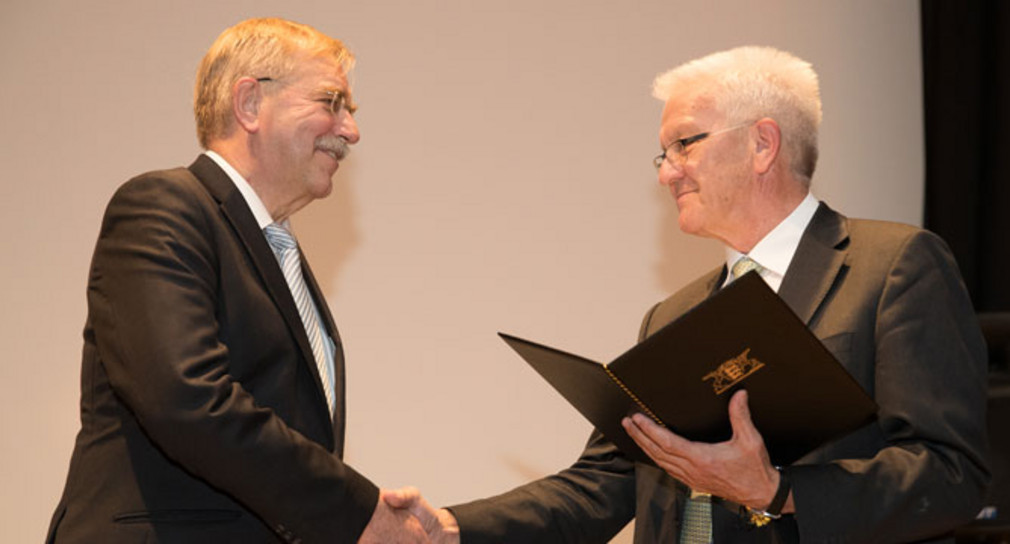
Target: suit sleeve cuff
[{"x": 362, "y": 497}]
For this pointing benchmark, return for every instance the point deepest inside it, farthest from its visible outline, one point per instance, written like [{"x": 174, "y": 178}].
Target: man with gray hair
[
  {"x": 212, "y": 389},
  {"x": 739, "y": 146}
]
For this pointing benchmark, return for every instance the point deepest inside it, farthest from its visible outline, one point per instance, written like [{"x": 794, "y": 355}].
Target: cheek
[{"x": 309, "y": 130}]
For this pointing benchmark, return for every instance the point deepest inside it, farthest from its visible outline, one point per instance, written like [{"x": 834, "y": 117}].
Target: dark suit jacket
[
  {"x": 202, "y": 413},
  {"x": 888, "y": 301}
]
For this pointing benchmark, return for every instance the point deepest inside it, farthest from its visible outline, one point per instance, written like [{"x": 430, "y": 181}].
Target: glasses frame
[
  {"x": 679, "y": 146},
  {"x": 337, "y": 101}
]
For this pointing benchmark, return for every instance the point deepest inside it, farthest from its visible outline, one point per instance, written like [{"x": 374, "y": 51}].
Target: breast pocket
[
  {"x": 182, "y": 516},
  {"x": 192, "y": 526}
]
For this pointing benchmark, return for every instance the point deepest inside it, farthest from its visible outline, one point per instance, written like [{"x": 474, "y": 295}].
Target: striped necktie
[{"x": 286, "y": 250}]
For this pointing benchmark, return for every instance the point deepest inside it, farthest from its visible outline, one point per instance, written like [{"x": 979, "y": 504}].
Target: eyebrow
[
  {"x": 337, "y": 90},
  {"x": 349, "y": 103},
  {"x": 684, "y": 130}
]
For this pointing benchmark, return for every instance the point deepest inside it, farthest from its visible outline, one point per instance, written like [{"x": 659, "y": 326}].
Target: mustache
[{"x": 336, "y": 144}]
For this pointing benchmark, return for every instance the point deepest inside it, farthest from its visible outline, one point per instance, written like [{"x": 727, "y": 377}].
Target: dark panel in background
[{"x": 966, "y": 76}]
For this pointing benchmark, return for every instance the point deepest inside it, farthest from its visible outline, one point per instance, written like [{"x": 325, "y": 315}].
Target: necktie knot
[
  {"x": 279, "y": 237},
  {"x": 744, "y": 265}
]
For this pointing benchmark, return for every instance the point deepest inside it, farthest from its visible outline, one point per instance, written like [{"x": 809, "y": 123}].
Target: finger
[
  {"x": 637, "y": 434},
  {"x": 635, "y": 426},
  {"x": 426, "y": 514},
  {"x": 740, "y": 417},
  {"x": 648, "y": 446},
  {"x": 670, "y": 463},
  {"x": 649, "y": 436},
  {"x": 662, "y": 437},
  {"x": 410, "y": 498},
  {"x": 404, "y": 497},
  {"x": 417, "y": 533}
]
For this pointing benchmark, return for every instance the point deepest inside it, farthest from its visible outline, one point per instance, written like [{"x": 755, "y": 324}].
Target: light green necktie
[
  {"x": 744, "y": 265},
  {"x": 697, "y": 520}
]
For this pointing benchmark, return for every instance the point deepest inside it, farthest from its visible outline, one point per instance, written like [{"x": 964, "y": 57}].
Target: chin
[
  {"x": 320, "y": 188},
  {"x": 688, "y": 228},
  {"x": 690, "y": 224},
  {"x": 324, "y": 191}
]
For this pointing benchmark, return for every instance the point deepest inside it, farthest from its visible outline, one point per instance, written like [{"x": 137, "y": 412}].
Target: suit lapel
[
  {"x": 818, "y": 262},
  {"x": 716, "y": 281},
  {"x": 238, "y": 214}
]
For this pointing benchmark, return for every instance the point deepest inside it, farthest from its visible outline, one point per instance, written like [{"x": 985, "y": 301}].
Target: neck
[
  {"x": 769, "y": 208},
  {"x": 238, "y": 156}
]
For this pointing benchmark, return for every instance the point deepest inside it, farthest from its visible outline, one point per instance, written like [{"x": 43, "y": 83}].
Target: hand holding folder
[
  {"x": 738, "y": 470},
  {"x": 742, "y": 337}
]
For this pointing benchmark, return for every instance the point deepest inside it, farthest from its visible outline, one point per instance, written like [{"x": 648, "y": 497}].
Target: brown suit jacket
[
  {"x": 202, "y": 413},
  {"x": 888, "y": 301}
]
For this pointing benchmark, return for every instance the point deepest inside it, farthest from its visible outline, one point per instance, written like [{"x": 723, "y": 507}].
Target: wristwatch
[{"x": 760, "y": 518}]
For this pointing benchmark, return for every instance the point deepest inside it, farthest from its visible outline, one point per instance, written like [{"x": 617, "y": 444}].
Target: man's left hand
[{"x": 738, "y": 469}]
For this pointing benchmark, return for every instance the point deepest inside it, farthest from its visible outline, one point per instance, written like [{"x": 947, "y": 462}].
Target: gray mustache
[{"x": 336, "y": 144}]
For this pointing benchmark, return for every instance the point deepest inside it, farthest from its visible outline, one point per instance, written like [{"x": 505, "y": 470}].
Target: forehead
[
  {"x": 321, "y": 72},
  {"x": 686, "y": 113}
]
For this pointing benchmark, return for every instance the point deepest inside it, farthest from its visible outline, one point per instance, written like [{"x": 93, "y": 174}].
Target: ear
[
  {"x": 767, "y": 146},
  {"x": 247, "y": 95}
]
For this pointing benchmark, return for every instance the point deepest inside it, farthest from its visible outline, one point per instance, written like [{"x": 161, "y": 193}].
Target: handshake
[{"x": 404, "y": 516}]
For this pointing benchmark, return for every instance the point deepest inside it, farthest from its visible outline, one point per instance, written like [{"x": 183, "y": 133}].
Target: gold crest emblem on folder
[{"x": 733, "y": 371}]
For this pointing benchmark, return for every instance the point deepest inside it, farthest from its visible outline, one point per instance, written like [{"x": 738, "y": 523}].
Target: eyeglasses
[
  {"x": 335, "y": 100},
  {"x": 676, "y": 153},
  {"x": 339, "y": 100}
]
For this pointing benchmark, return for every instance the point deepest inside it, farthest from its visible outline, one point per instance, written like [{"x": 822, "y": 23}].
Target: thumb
[
  {"x": 739, "y": 415},
  {"x": 411, "y": 499},
  {"x": 405, "y": 497}
]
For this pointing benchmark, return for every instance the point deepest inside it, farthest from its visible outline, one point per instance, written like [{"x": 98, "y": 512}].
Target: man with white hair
[
  {"x": 739, "y": 147},
  {"x": 212, "y": 389}
]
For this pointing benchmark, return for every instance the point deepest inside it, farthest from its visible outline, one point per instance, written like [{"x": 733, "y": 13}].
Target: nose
[
  {"x": 670, "y": 172},
  {"x": 347, "y": 127}
]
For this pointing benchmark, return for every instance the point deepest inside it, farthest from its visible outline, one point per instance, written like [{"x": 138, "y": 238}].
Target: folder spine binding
[{"x": 634, "y": 397}]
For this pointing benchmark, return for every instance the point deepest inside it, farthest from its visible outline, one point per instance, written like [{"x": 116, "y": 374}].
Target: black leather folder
[{"x": 742, "y": 337}]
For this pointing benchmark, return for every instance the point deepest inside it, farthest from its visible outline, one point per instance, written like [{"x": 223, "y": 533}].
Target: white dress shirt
[{"x": 775, "y": 251}]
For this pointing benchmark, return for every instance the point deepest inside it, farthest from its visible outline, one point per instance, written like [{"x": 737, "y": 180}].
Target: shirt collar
[
  {"x": 775, "y": 251},
  {"x": 259, "y": 210}
]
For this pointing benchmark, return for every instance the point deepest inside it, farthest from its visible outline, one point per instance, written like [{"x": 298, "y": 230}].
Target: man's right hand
[
  {"x": 440, "y": 524},
  {"x": 393, "y": 526}
]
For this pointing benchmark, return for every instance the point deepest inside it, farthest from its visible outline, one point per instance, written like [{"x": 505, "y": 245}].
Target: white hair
[{"x": 748, "y": 83}]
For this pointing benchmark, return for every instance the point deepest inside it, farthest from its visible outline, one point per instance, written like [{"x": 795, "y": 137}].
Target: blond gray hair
[
  {"x": 749, "y": 83},
  {"x": 259, "y": 48}
]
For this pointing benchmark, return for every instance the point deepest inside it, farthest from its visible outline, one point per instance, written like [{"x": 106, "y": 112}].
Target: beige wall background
[{"x": 503, "y": 182}]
